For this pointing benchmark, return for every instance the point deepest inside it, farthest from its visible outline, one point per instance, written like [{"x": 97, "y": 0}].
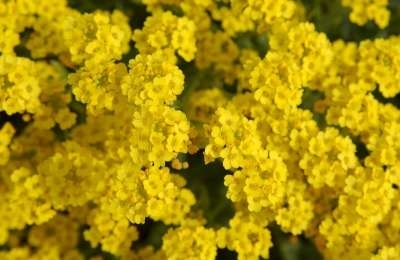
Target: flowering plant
[{"x": 199, "y": 129}]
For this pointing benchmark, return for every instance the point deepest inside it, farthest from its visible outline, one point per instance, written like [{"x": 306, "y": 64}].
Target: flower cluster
[
  {"x": 364, "y": 10},
  {"x": 100, "y": 113}
]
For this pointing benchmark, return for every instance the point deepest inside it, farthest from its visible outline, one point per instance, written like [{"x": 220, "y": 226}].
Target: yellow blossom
[{"x": 189, "y": 242}]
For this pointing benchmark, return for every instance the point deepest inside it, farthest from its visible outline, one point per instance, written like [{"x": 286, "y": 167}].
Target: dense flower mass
[{"x": 198, "y": 129}]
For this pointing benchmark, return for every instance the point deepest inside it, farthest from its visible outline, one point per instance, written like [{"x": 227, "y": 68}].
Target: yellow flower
[
  {"x": 18, "y": 79},
  {"x": 246, "y": 236},
  {"x": 190, "y": 242},
  {"x": 97, "y": 37},
  {"x": 165, "y": 32},
  {"x": 7, "y": 131},
  {"x": 160, "y": 81},
  {"x": 364, "y": 10}
]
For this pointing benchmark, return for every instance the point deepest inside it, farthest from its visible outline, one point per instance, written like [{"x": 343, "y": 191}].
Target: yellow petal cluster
[
  {"x": 97, "y": 120},
  {"x": 364, "y": 10}
]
